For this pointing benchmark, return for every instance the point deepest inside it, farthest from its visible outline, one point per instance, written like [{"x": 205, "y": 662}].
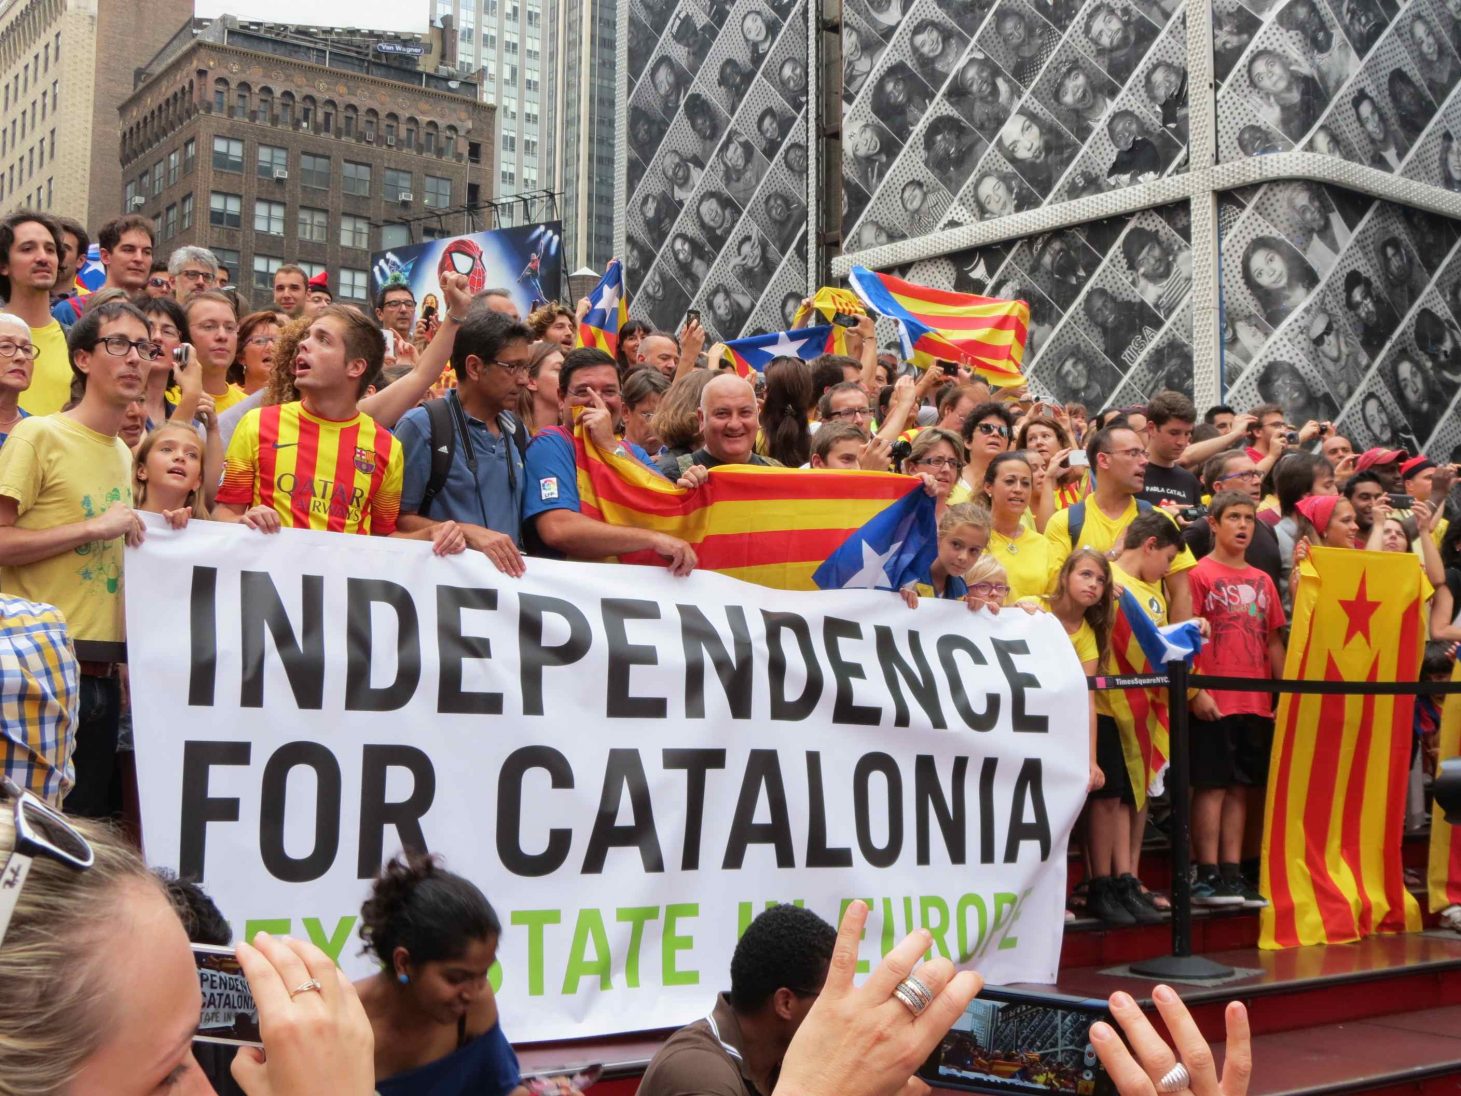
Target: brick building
[
  {"x": 59, "y": 90},
  {"x": 269, "y": 145}
]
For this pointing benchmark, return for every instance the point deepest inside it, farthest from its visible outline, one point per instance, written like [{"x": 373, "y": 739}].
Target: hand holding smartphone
[{"x": 229, "y": 1012}]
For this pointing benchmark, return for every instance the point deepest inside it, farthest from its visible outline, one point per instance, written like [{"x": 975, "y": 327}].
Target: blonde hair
[
  {"x": 987, "y": 569},
  {"x": 195, "y": 497},
  {"x": 930, "y": 436},
  {"x": 55, "y": 1010},
  {"x": 964, "y": 513},
  {"x": 280, "y": 388},
  {"x": 676, "y": 420}
]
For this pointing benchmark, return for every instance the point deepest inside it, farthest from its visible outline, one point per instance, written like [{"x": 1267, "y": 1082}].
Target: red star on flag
[{"x": 1360, "y": 609}]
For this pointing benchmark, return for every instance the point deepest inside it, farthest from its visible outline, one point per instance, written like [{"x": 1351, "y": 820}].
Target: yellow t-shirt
[
  {"x": 1084, "y": 641},
  {"x": 1100, "y": 533},
  {"x": 60, "y": 472},
  {"x": 1153, "y": 602},
  {"x": 50, "y": 376},
  {"x": 232, "y": 395},
  {"x": 1025, "y": 559}
]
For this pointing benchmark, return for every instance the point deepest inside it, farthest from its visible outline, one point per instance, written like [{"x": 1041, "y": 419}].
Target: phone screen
[
  {"x": 1402, "y": 502},
  {"x": 1009, "y": 1041},
  {"x": 229, "y": 1013},
  {"x": 1079, "y": 459},
  {"x": 692, "y": 314}
]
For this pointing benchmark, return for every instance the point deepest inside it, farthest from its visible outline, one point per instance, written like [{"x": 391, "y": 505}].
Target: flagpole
[{"x": 1181, "y": 964}]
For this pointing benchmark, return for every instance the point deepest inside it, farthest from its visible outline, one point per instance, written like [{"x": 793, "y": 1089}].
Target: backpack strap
[
  {"x": 443, "y": 450},
  {"x": 1077, "y": 519}
]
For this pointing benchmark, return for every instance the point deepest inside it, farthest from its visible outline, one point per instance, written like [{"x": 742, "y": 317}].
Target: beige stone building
[{"x": 65, "y": 65}]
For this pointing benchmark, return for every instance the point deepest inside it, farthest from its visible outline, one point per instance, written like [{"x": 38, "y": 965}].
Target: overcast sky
[{"x": 400, "y": 15}]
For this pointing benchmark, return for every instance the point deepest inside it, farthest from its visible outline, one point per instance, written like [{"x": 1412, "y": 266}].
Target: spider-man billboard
[{"x": 525, "y": 261}]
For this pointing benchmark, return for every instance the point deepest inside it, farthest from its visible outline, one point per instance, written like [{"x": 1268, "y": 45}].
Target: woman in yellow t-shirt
[{"x": 1024, "y": 553}]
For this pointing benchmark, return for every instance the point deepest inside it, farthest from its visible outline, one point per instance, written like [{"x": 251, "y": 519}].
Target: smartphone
[
  {"x": 180, "y": 355},
  {"x": 1078, "y": 459},
  {"x": 1025, "y": 1042},
  {"x": 551, "y": 1084},
  {"x": 692, "y": 316},
  {"x": 429, "y": 312},
  {"x": 229, "y": 1013},
  {"x": 842, "y": 319},
  {"x": 1402, "y": 502},
  {"x": 949, "y": 368}
]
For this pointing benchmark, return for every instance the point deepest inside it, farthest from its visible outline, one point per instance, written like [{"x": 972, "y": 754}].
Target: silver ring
[
  {"x": 1175, "y": 1079},
  {"x": 313, "y": 985},
  {"x": 914, "y": 995}
]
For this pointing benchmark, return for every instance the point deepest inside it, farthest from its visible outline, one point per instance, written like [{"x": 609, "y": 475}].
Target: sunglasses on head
[{"x": 39, "y": 831}]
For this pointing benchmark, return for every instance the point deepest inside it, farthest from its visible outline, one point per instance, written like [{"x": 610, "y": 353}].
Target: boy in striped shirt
[{"x": 321, "y": 463}]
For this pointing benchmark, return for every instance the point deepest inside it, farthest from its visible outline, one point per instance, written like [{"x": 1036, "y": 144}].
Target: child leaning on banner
[
  {"x": 963, "y": 532},
  {"x": 1230, "y": 754}
]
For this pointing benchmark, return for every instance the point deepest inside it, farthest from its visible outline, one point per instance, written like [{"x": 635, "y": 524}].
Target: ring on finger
[
  {"x": 1175, "y": 1079},
  {"x": 913, "y": 994}
]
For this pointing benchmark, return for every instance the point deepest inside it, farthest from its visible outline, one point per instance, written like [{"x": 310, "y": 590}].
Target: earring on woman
[{"x": 404, "y": 979}]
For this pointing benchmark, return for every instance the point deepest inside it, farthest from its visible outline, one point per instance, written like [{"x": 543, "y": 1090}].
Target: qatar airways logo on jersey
[{"x": 323, "y": 497}]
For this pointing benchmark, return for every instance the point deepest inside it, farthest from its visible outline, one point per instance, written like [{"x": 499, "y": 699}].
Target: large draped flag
[
  {"x": 1443, "y": 876},
  {"x": 827, "y": 304},
  {"x": 754, "y": 354},
  {"x": 1335, "y": 816},
  {"x": 894, "y": 549},
  {"x": 984, "y": 333},
  {"x": 608, "y": 311},
  {"x": 771, "y": 526},
  {"x": 1139, "y": 647}
]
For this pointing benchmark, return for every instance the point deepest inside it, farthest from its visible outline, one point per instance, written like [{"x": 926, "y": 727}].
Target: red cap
[
  {"x": 321, "y": 282},
  {"x": 1319, "y": 509},
  {"x": 1415, "y": 466},
  {"x": 1371, "y": 457}
]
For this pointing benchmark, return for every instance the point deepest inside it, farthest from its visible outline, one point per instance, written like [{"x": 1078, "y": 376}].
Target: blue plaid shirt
[{"x": 39, "y": 688}]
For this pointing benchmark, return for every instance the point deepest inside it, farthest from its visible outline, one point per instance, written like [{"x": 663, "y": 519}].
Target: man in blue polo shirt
[
  {"x": 589, "y": 379},
  {"x": 484, "y": 483}
]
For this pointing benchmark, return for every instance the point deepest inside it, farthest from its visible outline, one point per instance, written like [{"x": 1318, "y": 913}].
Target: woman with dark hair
[
  {"x": 1283, "y": 384},
  {"x": 789, "y": 399},
  {"x": 1377, "y": 423},
  {"x": 703, "y": 122},
  {"x": 741, "y": 169},
  {"x": 936, "y": 50},
  {"x": 769, "y": 126},
  {"x": 167, "y": 323},
  {"x": 629, "y": 338},
  {"x": 716, "y": 214},
  {"x": 735, "y": 78},
  {"x": 435, "y": 937},
  {"x": 1278, "y": 277},
  {"x": 640, "y": 394},
  {"x": 1417, "y": 392},
  {"x": 258, "y": 334},
  {"x": 690, "y": 259},
  {"x": 1412, "y": 107},
  {"x": 1450, "y": 163},
  {"x": 538, "y": 404}
]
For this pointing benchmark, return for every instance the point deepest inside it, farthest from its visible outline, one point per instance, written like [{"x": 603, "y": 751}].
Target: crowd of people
[{"x": 165, "y": 392}]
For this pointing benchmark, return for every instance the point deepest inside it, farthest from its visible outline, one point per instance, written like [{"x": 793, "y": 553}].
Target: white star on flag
[
  {"x": 874, "y": 573},
  {"x": 785, "y": 346},
  {"x": 609, "y": 301}
]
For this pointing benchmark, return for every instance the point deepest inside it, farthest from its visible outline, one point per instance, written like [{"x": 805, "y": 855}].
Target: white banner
[{"x": 630, "y": 765}]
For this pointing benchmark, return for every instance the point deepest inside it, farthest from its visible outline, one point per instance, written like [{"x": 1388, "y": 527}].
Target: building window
[
  {"x": 397, "y": 183},
  {"x": 227, "y": 258},
  {"x": 170, "y": 222},
  {"x": 227, "y": 154},
  {"x": 438, "y": 192},
  {"x": 269, "y": 217},
  {"x": 314, "y": 170},
  {"x": 157, "y": 178},
  {"x": 174, "y": 164},
  {"x": 190, "y": 155},
  {"x": 431, "y": 142},
  {"x": 143, "y": 184},
  {"x": 186, "y": 211},
  {"x": 220, "y": 99},
  {"x": 509, "y": 142},
  {"x": 264, "y": 267},
  {"x": 352, "y": 284},
  {"x": 272, "y": 158},
  {"x": 314, "y": 225},
  {"x": 357, "y": 179},
  {"x": 128, "y": 193},
  {"x": 241, "y": 101},
  {"x": 354, "y": 231},
  {"x": 370, "y": 128},
  {"x": 310, "y": 269},
  {"x": 225, "y": 210},
  {"x": 474, "y": 152}
]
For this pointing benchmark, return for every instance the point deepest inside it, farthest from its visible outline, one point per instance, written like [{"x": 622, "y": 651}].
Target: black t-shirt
[{"x": 1175, "y": 484}]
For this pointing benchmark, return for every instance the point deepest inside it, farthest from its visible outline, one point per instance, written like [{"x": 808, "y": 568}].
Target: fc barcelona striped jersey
[{"x": 339, "y": 477}]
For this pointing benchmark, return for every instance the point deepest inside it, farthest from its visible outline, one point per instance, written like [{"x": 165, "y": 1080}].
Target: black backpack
[{"x": 447, "y": 421}]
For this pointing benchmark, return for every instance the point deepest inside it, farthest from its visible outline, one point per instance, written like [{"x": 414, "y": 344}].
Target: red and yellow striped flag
[
  {"x": 770, "y": 526},
  {"x": 1443, "y": 874},
  {"x": 1335, "y": 811},
  {"x": 1141, "y": 714}
]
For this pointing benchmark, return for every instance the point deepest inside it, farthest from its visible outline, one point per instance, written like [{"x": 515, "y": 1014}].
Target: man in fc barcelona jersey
[{"x": 321, "y": 463}]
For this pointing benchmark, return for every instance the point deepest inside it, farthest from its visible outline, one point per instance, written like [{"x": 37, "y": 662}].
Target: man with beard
[
  {"x": 1320, "y": 232},
  {"x": 1329, "y": 53},
  {"x": 1058, "y": 258},
  {"x": 1166, "y": 88},
  {"x": 982, "y": 95},
  {"x": 1374, "y": 313},
  {"x": 1123, "y": 333},
  {"x": 1120, "y": 40},
  {"x": 682, "y": 173},
  {"x": 1086, "y": 103},
  {"x": 949, "y": 150},
  {"x": 1288, "y": 96},
  {"x": 1401, "y": 285},
  {"x": 1340, "y": 360},
  {"x": 1029, "y": 42},
  {"x": 1137, "y": 159},
  {"x": 1440, "y": 342},
  {"x": 1162, "y": 278}
]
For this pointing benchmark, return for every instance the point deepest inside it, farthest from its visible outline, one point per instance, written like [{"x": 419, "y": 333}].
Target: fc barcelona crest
[{"x": 365, "y": 461}]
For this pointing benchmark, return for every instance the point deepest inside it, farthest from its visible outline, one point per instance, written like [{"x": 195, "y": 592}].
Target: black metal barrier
[{"x": 1182, "y": 964}]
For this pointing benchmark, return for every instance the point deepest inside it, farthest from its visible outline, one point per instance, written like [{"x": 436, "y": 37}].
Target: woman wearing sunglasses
[{"x": 987, "y": 433}]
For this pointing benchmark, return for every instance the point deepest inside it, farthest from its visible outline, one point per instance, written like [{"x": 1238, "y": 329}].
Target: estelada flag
[
  {"x": 771, "y": 526},
  {"x": 985, "y": 333},
  {"x": 1335, "y": 816},
  {"x": 1443, "y": 874},
  {"x": 608, "y": 311}
]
